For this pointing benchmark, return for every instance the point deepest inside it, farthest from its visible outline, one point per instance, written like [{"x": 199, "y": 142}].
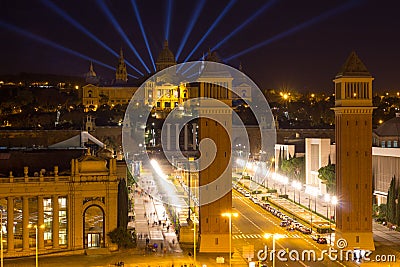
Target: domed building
[
  {"x": 385, "y": 157},
  {"x": 388, "y": 134},
  {"x": 166, "y": 58}
]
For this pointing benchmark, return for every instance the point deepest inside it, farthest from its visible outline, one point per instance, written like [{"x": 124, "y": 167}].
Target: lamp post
[
  {"x": 1, "y": 235},
  {"x": 229, "y": 215},
  {"x": 327, "y": 199},
  {"x": 194, "y": 239},
  {"x": 274, "y": 237},
  {"x": 334, "y": 202},
  {"x": 36, "y": 235}
]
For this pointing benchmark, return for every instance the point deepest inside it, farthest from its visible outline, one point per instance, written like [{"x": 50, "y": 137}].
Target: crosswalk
[{"x": 256, "y": 236}]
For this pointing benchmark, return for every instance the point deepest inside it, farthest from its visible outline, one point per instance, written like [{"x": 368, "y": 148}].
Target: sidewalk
[{"x": 151, "y": 222}]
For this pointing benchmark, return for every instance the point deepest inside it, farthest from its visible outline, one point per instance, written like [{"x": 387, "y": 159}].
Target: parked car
[
  {"x": 315, "y": 237},
  {"x": 290, "y": 228},
  {"x": 247, "y": 194},
  {"x": 305, "y": 230},
  {"x": 283, "y": 223},
  {"x": 322, "y": 240}
]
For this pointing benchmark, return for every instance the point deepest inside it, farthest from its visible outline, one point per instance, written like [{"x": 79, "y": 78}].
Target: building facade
[{"x": 70, "y": 212}]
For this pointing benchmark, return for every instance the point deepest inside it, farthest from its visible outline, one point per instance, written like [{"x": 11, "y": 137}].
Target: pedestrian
[{"x": 167, "y": 228}]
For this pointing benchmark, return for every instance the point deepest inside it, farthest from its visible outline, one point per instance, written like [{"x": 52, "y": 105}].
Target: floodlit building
[
  {"x": 385, "y": 157},
  {"x": 319, "y": 153},
  {"x": 68, "y": 194}
]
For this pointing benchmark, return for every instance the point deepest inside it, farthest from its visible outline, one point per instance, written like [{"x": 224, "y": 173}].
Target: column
[
  {"x": 40, "y": 222},
  {"x": 55, "y": 230},
  {"x": 168, "y": 136},
  {"x": 185, "y": 138},
  {"x": 25, "y": 223},
  {"x": 177, "y": 136},
  {"x": 194, "y": 143},
  {"x": 10, "y": 224}
]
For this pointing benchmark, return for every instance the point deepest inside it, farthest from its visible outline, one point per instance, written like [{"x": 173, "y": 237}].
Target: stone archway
[{"x": 94, "y": 226}]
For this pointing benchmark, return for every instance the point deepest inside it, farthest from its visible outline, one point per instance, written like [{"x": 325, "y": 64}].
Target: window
[
  {"x": 382, "y": 143},
  {"x": 357, "y": 239},
  {"x": 395, "y": 144},
  {"x": 389, "y": 143},
  {"x": 158, "y": 104},
  {"x": 216, "y": 241}
]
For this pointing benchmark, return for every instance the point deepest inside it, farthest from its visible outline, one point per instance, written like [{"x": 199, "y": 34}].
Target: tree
[
  {"x": 328, "y": 177},
  {"x": 391, "y": 201},
  {"x": 122, "y": 220},
  {"x": 293, "y": 168},
  {"x": 123, "y": 238}
]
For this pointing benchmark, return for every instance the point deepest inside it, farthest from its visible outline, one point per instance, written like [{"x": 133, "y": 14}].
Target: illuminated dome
[
  {"x": 166, "y": 58},
  {"x": 389, "y": 128}
]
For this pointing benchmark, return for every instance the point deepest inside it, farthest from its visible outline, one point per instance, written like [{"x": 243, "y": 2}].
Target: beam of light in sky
[
  {"x": 139, "y": 20},
  {"x": 168, "y": 19},
  {"x": 215, "y": 23},
  {"x": 242, "y": 25},
  {"x": 310, "y": 22},
  {"x": 45, "y": 41},
  {"x": 197, "y": 12},
  {"x": 114, "y": 22},
  {"x": 79, "y": 26}
]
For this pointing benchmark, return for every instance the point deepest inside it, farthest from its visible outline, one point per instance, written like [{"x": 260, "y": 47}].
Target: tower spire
[{"x": 121, "y": 75}]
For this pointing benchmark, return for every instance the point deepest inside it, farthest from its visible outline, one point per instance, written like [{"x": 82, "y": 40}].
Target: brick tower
[{"x": 353, "y": 131}]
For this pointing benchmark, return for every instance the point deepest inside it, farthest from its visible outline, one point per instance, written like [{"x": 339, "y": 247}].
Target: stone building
[{"x": 73, "y": 209}]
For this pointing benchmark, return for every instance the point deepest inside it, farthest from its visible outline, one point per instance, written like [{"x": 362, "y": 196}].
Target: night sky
[{"x": 308, "y": 40}]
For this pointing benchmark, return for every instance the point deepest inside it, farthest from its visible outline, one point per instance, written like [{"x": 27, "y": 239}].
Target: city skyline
[{"x": 283, "y": 45}]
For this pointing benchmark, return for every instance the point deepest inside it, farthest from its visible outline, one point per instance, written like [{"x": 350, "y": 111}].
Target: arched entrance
[{"x": 93, "y": 232}]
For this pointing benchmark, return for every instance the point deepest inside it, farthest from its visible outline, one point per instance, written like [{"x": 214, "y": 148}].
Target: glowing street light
[
  {"x": 274, "y": 237},
  {"x": 1, "y": 235},
  {"x": 229, "y": 215},
  {"x": 42, "y": 226},
  {"x": 334, "y": 202},
  {"x": 297, "y": 186}
]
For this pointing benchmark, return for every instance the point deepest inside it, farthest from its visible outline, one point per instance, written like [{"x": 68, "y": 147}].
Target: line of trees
[{"x": 393, "y": 205}]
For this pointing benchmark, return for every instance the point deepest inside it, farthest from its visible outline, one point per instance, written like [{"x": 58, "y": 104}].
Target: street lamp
[
  {"x": 42, "y": 226},
  {"x": 1, "y": 235},
  {"x": 274, "y": 237},
  {"x": 194, "y": 238},
  {"x": 229, "y": 215},
  {"x": 296, "y": 185},
  {"x": 327, "y": 199},
  {"x": 334, "y": 202}
]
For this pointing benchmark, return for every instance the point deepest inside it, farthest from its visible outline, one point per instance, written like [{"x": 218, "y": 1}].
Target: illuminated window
[
  {"x": 382, "y": 143},
  {"x": 395, "y": 144}
]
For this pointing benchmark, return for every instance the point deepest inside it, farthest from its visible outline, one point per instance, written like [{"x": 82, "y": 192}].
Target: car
[
  {"x": 290, "y": 228},
  {"x": 247, "y": 194},
  {"x": 283, "y": 223},
  {"x": 315, "y": 237},
  {"x": 305, "y": 230},
  {"x": 322, "y": 240}
]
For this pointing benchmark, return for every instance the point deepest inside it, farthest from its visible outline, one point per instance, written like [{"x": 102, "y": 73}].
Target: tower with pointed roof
[
  {"x": 121, "y": 75},
  {"x": 353, "y": 128},
  {"x": 166, "y": 58},
  {"x": 90, "y": 76}
]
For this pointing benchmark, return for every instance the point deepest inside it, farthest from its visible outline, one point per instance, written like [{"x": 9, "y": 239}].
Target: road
[{"x": 253, "y": 222}]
